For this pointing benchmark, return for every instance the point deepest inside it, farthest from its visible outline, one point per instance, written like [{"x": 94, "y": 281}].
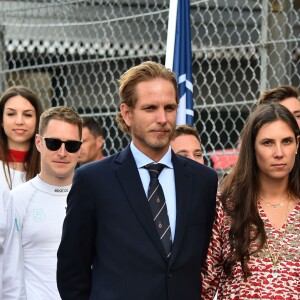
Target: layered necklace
[
  {"x": 275, "y": 256},
  {"x": 268, "y": 204},
  {"x": 279, "y": 242}
]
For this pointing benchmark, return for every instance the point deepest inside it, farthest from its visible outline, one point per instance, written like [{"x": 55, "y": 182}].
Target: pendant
[
  {"x": 275, "y": 272},
  {"x": 275, "y": 205}
]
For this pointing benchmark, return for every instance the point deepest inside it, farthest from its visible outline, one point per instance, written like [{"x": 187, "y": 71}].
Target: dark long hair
[
  {"x": 239, "y": 190},
  {"x": 32, "y": 160}
]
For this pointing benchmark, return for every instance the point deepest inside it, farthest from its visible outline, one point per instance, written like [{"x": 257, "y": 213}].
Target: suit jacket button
[{"x": 170, "y": 275}]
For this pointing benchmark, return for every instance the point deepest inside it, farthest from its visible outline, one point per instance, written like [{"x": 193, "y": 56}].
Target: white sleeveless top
[{"x": 17, "y": 177}]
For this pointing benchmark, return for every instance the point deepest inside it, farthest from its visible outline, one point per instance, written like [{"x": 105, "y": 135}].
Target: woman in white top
[
  {"x": 20, "y": 110},
  {"x": 12, "y": 284}
]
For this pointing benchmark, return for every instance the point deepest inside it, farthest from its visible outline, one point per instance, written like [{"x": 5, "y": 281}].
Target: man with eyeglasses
[{"x": 41, "y": 202}]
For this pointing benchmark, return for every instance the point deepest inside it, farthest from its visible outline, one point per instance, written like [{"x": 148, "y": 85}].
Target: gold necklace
[
  {"x": 268, "y": 204},
  {"x": 275, "y": 256}
]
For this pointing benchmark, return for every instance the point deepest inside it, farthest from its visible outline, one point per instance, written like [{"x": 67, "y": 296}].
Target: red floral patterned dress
[{"x": 266, "y": 282}]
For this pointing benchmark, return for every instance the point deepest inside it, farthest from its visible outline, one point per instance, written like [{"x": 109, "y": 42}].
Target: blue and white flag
[{"x": 182, "y": 62}]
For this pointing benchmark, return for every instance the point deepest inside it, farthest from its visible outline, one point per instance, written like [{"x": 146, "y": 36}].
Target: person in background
[
  {"x": 20, "y": 110},
  {"x": 121, "y": 242},
  {"x": 185, "y": 141},
  {"x": 254, "y": 249},
  {"x": 285, "y": 95},
  {"x": 92, "y": 141},
  {"x": 41, "y": 202},
  {"x": 12, "y": 285}
]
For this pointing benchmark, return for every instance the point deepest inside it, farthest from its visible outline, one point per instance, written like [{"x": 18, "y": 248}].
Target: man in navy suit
[{"x": 110, "y": 247}]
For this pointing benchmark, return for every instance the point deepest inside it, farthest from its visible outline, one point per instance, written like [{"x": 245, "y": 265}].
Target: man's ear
[
  {"x": 99, "y": 141},
  {"x": 126, "y": 113},
  {"x": 38, "y": 141}
]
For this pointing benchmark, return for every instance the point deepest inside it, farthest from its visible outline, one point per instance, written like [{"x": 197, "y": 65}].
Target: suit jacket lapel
[
  {"x": 131, "y": 183},
  {"x": 183, "y": 185}
]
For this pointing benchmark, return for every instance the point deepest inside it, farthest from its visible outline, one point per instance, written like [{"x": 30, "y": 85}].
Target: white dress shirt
[{"x": 166, "y": 179}]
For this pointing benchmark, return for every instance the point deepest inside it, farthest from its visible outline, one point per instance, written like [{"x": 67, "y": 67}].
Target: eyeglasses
[{"x": 55, "y": 144}]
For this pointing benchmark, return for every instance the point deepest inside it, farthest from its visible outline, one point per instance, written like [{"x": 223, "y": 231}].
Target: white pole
[
  {"x": 171, "y": 34},
  {"x": 264, "y": 50}
]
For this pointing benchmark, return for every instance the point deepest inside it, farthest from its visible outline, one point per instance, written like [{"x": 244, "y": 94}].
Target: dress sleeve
[
  {"x": 213, "y": 266},
  {"x": 13, "y": 271}
]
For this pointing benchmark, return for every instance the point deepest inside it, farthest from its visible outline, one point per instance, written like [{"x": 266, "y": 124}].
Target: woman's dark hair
[
  {"x": 240, "y": 188},
  {"x": 32, "y": 160}
]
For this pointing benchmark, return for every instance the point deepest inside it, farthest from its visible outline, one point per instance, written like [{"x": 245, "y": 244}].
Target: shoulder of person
[
  {"x": 99, "y": 165},
  {"x": 5, "y": 197},
  {"x": 24, "y": 187},
  {"x": 21, "y": 197},
  {"x": 196, "y": 166}
]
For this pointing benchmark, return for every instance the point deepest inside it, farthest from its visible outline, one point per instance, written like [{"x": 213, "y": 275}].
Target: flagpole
[
  {"x": 179, "y": 57},
  {"x": 171, "y": 34}
]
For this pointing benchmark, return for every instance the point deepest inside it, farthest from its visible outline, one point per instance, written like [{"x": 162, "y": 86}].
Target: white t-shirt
[
  {"x": 12, "y": 284},
  {"x": 17, "y": 177},
  {"x": 41, "y": 209}
]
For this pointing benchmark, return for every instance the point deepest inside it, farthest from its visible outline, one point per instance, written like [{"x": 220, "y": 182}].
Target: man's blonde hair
[{"x": 146, "y": 71}]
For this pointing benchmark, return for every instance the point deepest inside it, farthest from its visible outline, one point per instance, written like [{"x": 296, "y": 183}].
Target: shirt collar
[{"x": 141, "y": 159}]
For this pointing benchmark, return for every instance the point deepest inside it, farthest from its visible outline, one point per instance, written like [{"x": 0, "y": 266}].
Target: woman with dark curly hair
[{"x": 254, "y": 250}]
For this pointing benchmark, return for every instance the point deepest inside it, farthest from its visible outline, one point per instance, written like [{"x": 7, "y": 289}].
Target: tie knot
[{"x": 154, "y": 169}]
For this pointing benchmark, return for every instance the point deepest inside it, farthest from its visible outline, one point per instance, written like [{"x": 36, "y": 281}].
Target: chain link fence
[{"x": 73, "y": 52}]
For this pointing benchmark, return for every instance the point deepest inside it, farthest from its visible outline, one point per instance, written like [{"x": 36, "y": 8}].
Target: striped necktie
[{"x": 157, "y": 202}]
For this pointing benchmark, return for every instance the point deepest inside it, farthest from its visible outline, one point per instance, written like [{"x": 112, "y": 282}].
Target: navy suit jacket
[{"x": 109, "y": 226}]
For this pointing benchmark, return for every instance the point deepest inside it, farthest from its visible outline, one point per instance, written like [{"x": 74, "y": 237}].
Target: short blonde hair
[{"x": 62, "y": 113}]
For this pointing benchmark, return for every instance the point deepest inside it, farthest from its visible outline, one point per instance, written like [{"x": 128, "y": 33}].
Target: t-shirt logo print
[{"x": 38, "y": 215}]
